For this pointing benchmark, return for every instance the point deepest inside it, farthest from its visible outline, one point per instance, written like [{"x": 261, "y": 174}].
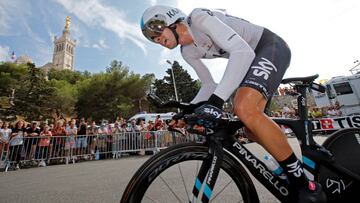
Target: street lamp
[{"x": 172, "y": 74}]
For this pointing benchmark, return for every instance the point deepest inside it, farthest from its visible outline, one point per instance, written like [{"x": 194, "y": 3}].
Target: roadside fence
[{"x": 23, "y": 152}]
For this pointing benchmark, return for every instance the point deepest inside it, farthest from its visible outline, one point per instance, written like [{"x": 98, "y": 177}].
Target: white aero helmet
[{"x": 156, "y": 18}]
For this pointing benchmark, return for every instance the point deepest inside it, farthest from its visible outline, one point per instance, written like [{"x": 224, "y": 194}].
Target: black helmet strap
[{"x": 173, "y": 29}]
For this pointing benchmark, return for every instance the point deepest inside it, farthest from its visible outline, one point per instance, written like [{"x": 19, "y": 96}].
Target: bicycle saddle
[{"x": 308, "y": 79}]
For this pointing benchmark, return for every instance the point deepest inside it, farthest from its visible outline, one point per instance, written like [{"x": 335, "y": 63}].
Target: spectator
[
  {"x": 42, "y": 125},
  {"x": 331, "y": 112},
  {"x": 131, "y": 134},
  {"x": 151, "y": 126},
  {"x": 131, "y": 126},
  {"x": 81, "y": 141},
  {"x": 71, "y": 133},
  {"x": 323, "y": 111},
  {"x": 51, "y": 126},
  {"x": 118, "y": 138},
  {"x": 109, "y": 142},
  {"x": 287, "y": 91},
  {"x": 277, "y": 114},
  {"x": 101, "y": 141},
  {"x": 316, "y": 113},
  {"x": 117, "y": 128},
  {"x": 92, "y": 132},
  {"x": 142, "y": 126},
  {"x": 282, "y": 91},
  {"x": 125, "y": 136},
  {"x": 31, "y": 140},
  {"x": 59, "y": 133},
  {"x": 337, "y": 108},
  {"x": 149, "y": 135},
  {"x": 43, "y": 147},
  {"x": 120, "y": 120},
  {"x": 158, "y": 123},
  {"x": 287, "y": 112},
  {"x": 2, "y": 141},
  {"x": 16, "y": 142},
  {"x": 5, "y": 133}
]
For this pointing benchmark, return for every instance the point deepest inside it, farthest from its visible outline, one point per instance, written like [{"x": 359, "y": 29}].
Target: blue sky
[{"x": 323, "y": 34}]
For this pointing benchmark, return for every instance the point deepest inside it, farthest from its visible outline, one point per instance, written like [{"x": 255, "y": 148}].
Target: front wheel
[{"x": 169, "y": 176}]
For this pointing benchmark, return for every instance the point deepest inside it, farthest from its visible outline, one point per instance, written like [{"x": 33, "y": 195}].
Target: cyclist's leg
[
  {"x": 249, "y": 106},
  {"x": 263, "y": 78},
  {"x": 247, "y": 131}
]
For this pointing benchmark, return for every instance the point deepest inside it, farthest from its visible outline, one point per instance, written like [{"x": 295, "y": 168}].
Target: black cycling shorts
[{"x": 269, "y": 65}]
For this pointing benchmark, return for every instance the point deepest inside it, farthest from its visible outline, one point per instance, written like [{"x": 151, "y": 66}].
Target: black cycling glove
[{"x": 210, "y": 113}]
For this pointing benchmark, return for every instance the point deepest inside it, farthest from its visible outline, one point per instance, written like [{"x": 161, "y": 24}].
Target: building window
[{"x": 343, "y": 88}]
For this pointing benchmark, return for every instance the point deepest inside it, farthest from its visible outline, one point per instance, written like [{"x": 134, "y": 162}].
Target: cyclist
[{"x": 257, "y": 61}]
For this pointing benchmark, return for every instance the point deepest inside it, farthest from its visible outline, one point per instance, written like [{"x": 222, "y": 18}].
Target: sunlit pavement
[{"x": 94, "y": 181}]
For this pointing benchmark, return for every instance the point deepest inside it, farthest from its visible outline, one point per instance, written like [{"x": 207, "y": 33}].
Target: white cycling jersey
[{"x": 217, "y": 34}]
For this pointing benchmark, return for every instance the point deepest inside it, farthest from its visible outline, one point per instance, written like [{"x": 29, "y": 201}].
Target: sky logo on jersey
[{"x": 264, "y": 69}]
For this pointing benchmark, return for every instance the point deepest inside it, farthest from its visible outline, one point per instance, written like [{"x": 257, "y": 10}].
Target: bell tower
[{"x": 64, "y": 49}]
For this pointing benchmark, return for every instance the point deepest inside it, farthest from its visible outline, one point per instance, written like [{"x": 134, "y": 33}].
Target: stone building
[{"x": 64, "y": 49}]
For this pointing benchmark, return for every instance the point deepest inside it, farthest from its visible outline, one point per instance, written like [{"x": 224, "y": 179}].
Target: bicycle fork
[{"x": 209, "y": 169}]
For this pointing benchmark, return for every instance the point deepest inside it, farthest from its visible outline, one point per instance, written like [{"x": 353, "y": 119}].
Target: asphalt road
[{"x": 93, "y": 181}]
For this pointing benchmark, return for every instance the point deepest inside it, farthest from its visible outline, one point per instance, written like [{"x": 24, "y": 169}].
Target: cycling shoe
[{"x": 312, "y": 194}]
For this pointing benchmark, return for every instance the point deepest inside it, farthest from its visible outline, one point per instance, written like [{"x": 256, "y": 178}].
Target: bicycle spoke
[
  {"x": 168, "y": 188},
  {"x": 182, "y": 178},
  {"x": 217, "y": 194},
  {"x": 150, "y": 199},
  {"x": 172, "y": 191}
]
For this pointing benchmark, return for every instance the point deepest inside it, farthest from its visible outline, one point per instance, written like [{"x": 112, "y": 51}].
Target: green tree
[
  {"x": 64, "y": 98},
  {"x": 113, "y": 93},
  {"x": 186, "y": 87},
  {"x": 68, "y": 75},
  {"x": 33, "y": 97},
  {"x": 11, "y": 77}
]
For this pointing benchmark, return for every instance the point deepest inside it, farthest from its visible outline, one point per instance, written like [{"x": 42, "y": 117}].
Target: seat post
[
  {"x": 307, "y": 138},
  {"x": 302, "y": 102}
]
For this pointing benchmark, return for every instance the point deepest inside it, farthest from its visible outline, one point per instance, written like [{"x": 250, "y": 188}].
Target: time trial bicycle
[{"x": 222, "y": 159}]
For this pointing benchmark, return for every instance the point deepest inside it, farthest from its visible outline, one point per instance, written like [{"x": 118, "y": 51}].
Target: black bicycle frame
[{"x": 278, "y": 187}]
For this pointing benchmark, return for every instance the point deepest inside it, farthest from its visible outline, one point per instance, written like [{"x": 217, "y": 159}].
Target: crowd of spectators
[
  {"x": 314, "y": 112},
  {"x": 282, "y": 91},
  {"x": 21, "y": 140},
  {"x": 40, "y": 141}
]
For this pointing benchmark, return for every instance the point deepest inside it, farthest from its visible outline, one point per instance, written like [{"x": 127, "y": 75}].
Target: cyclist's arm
[
  {"x": 208, "y": 84},
  {"x": 241, "y": 54}
]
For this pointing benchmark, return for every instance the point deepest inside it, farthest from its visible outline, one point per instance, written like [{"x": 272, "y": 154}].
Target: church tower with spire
[{"x": 64, "y": 49}]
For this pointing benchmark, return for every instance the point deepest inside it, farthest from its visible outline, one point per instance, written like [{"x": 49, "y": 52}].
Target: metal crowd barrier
[{"x": 41, "y": 151}]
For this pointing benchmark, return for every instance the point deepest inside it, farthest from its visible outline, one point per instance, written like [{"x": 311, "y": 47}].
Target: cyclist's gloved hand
[
  {"x": 210, "y": 113},
  {"x": 188, "y": 109}
]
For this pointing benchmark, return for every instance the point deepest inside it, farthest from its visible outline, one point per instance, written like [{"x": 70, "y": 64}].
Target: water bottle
[
  {"x": 97, "y": 155},
  {"x": 274, "y": 166}
]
